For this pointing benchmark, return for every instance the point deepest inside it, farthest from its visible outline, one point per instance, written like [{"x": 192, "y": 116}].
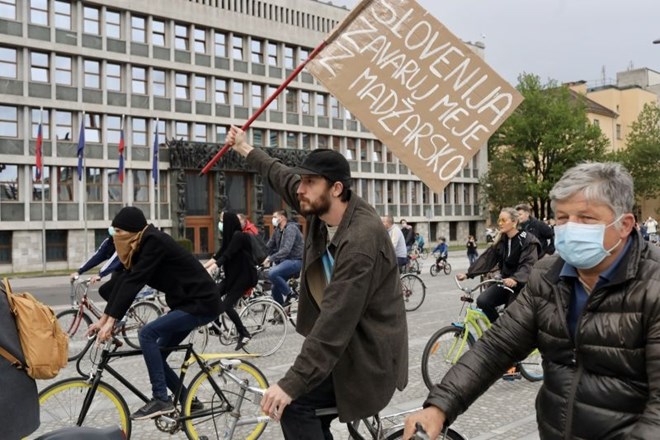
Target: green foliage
[
  {"x": 186, "y": 243},
  {"x": 642, "y": 154},
  {"x": 547, "y": 134}
]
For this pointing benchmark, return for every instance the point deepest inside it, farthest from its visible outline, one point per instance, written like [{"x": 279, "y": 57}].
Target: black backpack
[{"x": 259, "y": 249}]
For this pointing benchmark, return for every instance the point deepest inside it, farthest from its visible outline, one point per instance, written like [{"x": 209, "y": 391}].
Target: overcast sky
[{"x": 564, "y": 40}]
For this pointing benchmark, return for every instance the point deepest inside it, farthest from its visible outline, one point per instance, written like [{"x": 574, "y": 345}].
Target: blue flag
[
  {"x": 154, "y": 170},
  {"x": 81, "y": 147}
]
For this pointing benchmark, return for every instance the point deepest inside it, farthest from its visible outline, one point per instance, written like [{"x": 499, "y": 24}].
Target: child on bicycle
[{"x": 442, "y": 250}]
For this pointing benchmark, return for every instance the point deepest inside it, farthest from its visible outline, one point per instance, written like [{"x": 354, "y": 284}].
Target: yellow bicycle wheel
[
  {"x": 61, "y": 404},
  {"x": 215, "y": 418}
]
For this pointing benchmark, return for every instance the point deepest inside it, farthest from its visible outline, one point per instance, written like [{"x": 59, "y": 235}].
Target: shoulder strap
[{"x": 11, "y": 358}]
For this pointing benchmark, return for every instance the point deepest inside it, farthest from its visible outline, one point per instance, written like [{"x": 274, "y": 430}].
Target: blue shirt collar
[{"x": 569, "y": 271}]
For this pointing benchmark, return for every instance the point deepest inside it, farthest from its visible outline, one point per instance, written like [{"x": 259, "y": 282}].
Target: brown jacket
[{"x": 359, "y": 332}]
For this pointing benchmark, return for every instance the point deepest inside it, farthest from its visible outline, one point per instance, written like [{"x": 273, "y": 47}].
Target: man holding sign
[{"x": 351, "y": 309}]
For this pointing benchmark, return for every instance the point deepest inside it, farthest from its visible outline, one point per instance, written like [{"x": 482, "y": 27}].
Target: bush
[{"x": 187, "y": 244}]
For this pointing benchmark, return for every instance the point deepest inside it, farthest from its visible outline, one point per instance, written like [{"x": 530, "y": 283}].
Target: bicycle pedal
[{"x": 512, "y": 376}]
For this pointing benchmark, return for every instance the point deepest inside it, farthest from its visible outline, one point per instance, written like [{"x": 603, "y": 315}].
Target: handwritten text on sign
[{"x": 416, "y": 86}]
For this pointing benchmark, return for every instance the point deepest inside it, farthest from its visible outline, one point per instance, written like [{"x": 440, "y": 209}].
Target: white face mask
[
  {"x": 220, "y": 226},
  {"x": 275, "y": 221}
]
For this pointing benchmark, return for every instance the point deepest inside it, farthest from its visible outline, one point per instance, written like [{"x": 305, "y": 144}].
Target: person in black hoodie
[
  {"x": 235, "y": 255},
  {"x": 153, "y": 257}
]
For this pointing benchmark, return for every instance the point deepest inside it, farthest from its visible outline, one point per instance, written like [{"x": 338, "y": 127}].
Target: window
[
  {"x": 275, "y": 103},
  {"x": 160, "y": 129},
  {"x": 5, "y": 246},
  {"x": 377, "y": 154},
  {"x": 221, "y": 92},
  {"x": 62, "y": 14},
  {"x": 321, "y": 141},
  {"x": 138, "y": 29},
  {"x": 220, "y": 134},
  {"x": 181, "y": 130},
  {"x": 291, "y": 100},
  {"x": 257, "y": 95},
  {"x": 158, "y": 33},
  {"x": 304, "y": 103},
  {"x": 378, "y": 192},
  {"x": 39, "y": 12},
  {"x": 181, "y": 37},
  {"x": 321, "y": 105},
  {"x": 63, "y": 70},
  {"x": 139, "y": 131},
  {"x": 39, "y": 67},
  {"x": 8, "y": 121},
  {"x": 238, "y": 95},
  {"x": 403, "y": 192},
  {"x": 56, "y": 245},
  {"x": 65, "y": 183},
  {"x": 113, "y": 126},
  {"x": 112, "y": 24},
  {"x": 618, "y": 131},
  {"x": 200, "y": 88},
  {"x": 306, "y": 141},
  {"x": 596, "y": 122},
  {"x": 38, "y": 116},
  {"x": 304, "y": 54},
  {"x": 334, "y": 107},
  {"x": 289, "y": 61},
  {"x": 158, "y": 83},
  {"x": 8, "y": 182},
  {"x": 92, "y": 127},
  {"x": 237, "y": 48},
  {"x": 200, "y": 133},
  {"x": 91, "y": 21},
  {"x": 113, "y": 77},
  {"x": 8, "y": 62},
  {"x": 182, "y": 86},
  {"x": 257, "y": 51},
  {"x": 291, "y": 140},
  {"x": 139, "y": 80},
  {"x": 273, "y": 58},
  {"x": 8, "y": 9},
  {"x": 94, "y": 184},
  {"x": 92, "y": 74},
  {"x": 115, "y": 191},
  {"x": 274, "y": 138},
  {"x": 141, "y": 185},
  {"x": 63, "y": 125},
  {"x": 200, "y": 40},
  {"x": 220, "y": 45},
  {"x": 364, "y": 188},
  {"x": 350, "y": 149},
  {"x": 257, "y": 137}
]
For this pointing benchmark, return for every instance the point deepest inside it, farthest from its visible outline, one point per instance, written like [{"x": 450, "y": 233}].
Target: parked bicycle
[
  {"x": 449, "y": 343},
  {"x": 223, "y": 399},
  {"x": 413, "y": 290},
  {"x": 84, "y": 311},
  {"x": 442, "y": 267}
]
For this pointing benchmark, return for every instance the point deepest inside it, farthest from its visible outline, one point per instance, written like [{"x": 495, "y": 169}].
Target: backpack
[
  {"x": 44, "y": 344},
  {"x": 259, "y": 249}
]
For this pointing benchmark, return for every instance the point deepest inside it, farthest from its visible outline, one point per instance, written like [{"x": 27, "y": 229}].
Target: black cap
[
  {"x": 130, "y": 219},
  {"x": 327, "y": 163}
]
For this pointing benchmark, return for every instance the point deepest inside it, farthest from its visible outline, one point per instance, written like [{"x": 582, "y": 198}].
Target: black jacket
[
  {"x": 606, "y": 383},
  {"x": 544, "y": 233},
  {"x": 165, "y": 265},
  {"x": 237, "y": 261},
  {"x": 517, "y": 265}
]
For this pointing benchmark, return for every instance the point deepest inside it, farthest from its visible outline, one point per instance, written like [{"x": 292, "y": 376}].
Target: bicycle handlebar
[{"x": 470, "y": 290}]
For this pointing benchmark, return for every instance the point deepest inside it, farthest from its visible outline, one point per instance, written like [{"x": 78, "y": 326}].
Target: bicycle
[
  {"x": 222, "y": 408},
  {"x": 443, "y": 266},
  {"x": 82, "y": 307},
  {"x": 413, "y": 290},
  {"x": 447, "y": 345},
  {"x": 290, "y": 306},
  {"x": 412, "y": 265}
]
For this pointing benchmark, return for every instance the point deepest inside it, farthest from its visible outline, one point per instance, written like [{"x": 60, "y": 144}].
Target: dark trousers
[
  {"x": 299, "y": 420},
  {"x": 230, "y": 296},
  {"x": 494, "y": 297}
]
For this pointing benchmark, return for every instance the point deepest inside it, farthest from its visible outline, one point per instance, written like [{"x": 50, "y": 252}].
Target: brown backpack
[{"x": 44, "y": 344}]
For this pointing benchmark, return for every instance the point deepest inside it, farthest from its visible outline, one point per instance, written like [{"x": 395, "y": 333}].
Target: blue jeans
[
  {"x": 279, "y": 275},
  {"x": 166, "y": 331}
]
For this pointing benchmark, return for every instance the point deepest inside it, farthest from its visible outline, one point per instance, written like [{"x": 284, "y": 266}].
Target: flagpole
[
  {"x": 43, "y": 193},
  {"x": 83, "y": 189},
  {"x": 123, "y": 191},
  {"x": 156, "y": 166}
]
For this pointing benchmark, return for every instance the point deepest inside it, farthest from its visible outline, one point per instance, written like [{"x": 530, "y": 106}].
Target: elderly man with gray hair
[{"x": 593, "y": 311}]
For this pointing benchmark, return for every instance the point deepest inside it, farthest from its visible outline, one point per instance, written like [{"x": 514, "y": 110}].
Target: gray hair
[{"x": 604, "y": 182}]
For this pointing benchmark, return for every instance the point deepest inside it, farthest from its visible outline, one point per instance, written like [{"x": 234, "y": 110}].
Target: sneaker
[
  {"x": 242, "y": 340},
  {"x": 512, "y": 374},
  {"x": 154, "y": 408}
]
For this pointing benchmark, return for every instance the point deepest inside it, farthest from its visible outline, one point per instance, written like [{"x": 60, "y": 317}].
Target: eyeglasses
[{"x": 502, "y": 221}]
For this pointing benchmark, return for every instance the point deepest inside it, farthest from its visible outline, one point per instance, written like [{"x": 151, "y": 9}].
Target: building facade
[{"x": 176, "y": 73}]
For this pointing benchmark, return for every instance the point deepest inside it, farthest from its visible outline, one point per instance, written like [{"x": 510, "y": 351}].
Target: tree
[
  {"x": 642, "y": 153},
  {"x": 547, "y": 134}
]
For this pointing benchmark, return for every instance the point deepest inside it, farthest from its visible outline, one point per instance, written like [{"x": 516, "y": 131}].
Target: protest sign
[{"x": 414, "y": 85}]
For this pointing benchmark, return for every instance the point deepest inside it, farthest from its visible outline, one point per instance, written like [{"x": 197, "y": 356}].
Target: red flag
[
  {"x": 120, "y": 170},
  {"x": 40, "y": 140}
]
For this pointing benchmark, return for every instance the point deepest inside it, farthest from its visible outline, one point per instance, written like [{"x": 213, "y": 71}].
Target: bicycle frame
[{"x": 474, "y": 321}]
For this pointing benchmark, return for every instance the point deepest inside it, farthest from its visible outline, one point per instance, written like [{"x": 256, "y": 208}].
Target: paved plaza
[{"x": 506, "y": 411}]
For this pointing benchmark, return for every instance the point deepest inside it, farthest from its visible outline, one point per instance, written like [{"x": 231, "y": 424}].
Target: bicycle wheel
[
  {"x": 75, "y": 325},
  {"x": 414, "y": 267},
  {"x": 447, "y": 268},
  {"x": 434, "y": 269},
  {"x": 137, "y": 316},
  {"x": 531, "y": 367},
  {"x": 414, "y": 291},
  {"x": 213, "y": 421},
  {"x": 198, "y": 337},
  {"x": 442, "y": 351},
  {"x": 266, "y": 322},
  {"x": 61, "y": 404}
]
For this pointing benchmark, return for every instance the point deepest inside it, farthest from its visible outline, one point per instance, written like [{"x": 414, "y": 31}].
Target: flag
[
  {"x": 40, "y": 140},
  {"x": 81, "y": 147},
  {"x": 120, "y": 170},
  {"x": 154, "y": 169}
]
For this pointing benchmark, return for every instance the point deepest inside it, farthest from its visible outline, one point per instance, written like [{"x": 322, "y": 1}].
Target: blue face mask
[
  {"x": 111, "y": 231},
  {"x": 220, "y": 226},
  {"x": 581, "y": 245}
]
